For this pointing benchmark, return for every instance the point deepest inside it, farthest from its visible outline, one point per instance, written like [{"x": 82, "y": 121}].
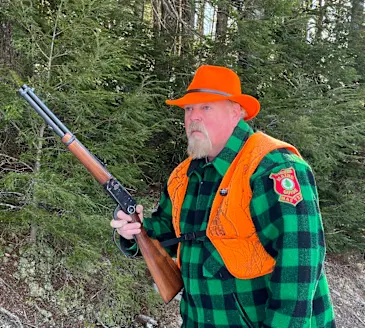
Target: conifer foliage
[
  {"x": 105, "y": 69},
  {"x": 78, "y": 56}
]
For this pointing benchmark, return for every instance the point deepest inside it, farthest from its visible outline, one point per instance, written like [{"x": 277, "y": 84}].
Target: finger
[
  {"x": 131, "y": 226},
  {"x": 139, "y": 209},
  {"x": 129, "y": 230},
  {"x": 118, "y": 223},
  {"x": 122, "y": 216},
  {"x": 130, "y": 233}
]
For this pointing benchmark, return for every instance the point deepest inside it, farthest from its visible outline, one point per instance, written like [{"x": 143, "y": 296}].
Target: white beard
[{"x": 198, "y": 147}]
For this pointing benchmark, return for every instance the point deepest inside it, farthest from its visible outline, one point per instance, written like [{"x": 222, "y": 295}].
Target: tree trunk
[
  {"x": 321, "y": 15},
  {"x": 6, "y": 50},
  {"x": 37, "y": 168},
  {"x": 7, "y": 54},
  {"x": 170, "y": 15},
  {"x": 156, "y": 7},
  {"x": 170, "y": 20},
  {"x": 245, "y": 12},
  {"x": 357, "y": 15},
  {"x": 188, "y": 13},
  {"x": 200, "y": 19},
  {"x": 139, "y": 9},
  {"x": 39, "y": 147},
  {"x": 247, "y": 9},
  {"x": 357, "y": 38},
  {"x": 187, "y": 25},
  {"x": 222, "y": 20}
]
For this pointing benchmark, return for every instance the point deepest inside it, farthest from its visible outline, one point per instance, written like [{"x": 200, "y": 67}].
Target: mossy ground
[{"x": 48, "y": 286}]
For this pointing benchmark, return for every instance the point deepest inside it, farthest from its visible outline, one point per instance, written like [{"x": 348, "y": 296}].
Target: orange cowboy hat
[{"x": 214, "y": 83}]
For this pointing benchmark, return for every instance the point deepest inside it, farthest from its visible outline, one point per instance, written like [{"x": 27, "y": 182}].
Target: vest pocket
[{"x": 242, "y": 312}]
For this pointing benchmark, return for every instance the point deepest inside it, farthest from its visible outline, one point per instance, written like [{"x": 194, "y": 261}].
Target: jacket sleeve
[
  {"x": 292, "y": 233},
  {"x": 159, "y": 226}
]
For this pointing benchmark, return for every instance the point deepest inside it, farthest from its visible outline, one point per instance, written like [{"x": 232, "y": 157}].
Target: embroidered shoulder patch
[{"x": 286, "y": 185}]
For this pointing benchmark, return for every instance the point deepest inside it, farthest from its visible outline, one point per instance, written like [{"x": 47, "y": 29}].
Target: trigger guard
[{"x": 116, "y": 210}]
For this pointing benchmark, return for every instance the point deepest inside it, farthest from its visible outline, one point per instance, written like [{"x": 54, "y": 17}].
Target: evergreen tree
[
  {"x": 81, "y": 58},
  {"x": 302, "y": 62}
]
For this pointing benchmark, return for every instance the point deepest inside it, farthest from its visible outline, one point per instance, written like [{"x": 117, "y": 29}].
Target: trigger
[{"x": 117, "y": 209}]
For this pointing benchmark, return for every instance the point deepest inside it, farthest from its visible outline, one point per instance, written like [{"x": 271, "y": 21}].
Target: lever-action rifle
[{"x": 163, "y": 269}]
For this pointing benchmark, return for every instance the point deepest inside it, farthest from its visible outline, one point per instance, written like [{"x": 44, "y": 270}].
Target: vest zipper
[{"x": 243, "y": 313}]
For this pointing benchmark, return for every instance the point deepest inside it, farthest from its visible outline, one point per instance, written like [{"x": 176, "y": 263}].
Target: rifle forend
[{"x": 163, "y": 269}]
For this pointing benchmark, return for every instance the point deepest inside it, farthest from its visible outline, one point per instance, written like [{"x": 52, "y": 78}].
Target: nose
[{"x": 195, "y": 115}]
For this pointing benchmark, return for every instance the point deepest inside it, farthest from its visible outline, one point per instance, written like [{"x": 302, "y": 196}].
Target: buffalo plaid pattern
[{"x": 296, "y": 293}]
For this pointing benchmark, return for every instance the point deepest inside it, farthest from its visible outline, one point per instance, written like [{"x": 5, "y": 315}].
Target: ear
[{"x": 236, "y": 111}]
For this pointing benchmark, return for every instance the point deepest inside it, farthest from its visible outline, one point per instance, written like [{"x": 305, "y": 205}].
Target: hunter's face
[{"x": 209, "y": 125}]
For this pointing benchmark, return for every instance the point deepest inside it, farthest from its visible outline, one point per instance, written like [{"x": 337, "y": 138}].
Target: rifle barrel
[
  {"x": 163, "y": 269},
  {"x": 50, "y": 118}
]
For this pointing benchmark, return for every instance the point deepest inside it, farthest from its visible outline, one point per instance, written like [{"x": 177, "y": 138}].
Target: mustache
[{"x": 197, "y": 127}]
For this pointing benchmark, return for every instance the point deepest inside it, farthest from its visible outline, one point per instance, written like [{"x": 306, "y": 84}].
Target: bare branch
[
  {"x": 7, "y": 285},
  {"x": 158, "y": 16},
  {"x": 60, "y": 55},
  {"x": 40, "y": 49},
  {"x": 173, "y": 11},
  {"x": 51, "y": 56},
  {"x": 12, "y": 207},
  {"x": 146, "y": 319},
  {"x": 12, "y": 316},
  {"x": 8, "y": 193},
  {"x": 12, "y": 160}
]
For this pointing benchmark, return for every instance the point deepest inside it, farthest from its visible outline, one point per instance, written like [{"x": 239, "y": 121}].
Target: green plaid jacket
[{"x": 296, "y": 293}]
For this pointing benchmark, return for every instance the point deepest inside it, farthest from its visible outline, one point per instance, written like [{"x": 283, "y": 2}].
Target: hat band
[{"x": 209, "y": 91}]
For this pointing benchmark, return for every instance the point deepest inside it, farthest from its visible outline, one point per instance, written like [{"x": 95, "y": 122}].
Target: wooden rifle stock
[{"x": 162, "y": 267}]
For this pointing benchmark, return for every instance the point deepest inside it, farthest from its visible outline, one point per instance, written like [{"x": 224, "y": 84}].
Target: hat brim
[{"x": 250, "y": 104}]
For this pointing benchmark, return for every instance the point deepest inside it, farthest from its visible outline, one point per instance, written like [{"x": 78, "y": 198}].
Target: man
[{"x": 248, "y": 205}]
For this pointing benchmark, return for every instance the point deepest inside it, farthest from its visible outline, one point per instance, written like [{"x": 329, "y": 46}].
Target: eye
[
  {"x": 188, "y": 108},
  {"x": 206, "y": 107}
]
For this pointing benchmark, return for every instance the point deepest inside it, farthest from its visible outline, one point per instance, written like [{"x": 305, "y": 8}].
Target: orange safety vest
[{"x": 230, "y": 227}]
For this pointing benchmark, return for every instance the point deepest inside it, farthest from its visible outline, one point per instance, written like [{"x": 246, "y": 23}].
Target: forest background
[{"x": 106, "y": 68}]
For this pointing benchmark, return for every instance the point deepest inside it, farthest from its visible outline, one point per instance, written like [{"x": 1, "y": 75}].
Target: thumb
[{"x": 139, "y": 211}]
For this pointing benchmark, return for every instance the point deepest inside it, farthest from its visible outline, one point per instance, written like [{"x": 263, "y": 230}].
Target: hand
[{"x": 124, "y": 225}]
